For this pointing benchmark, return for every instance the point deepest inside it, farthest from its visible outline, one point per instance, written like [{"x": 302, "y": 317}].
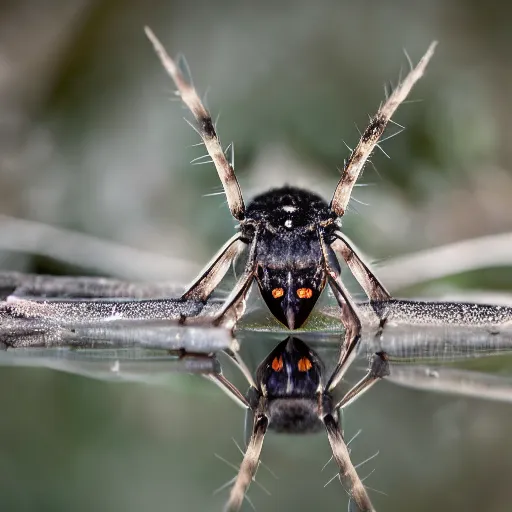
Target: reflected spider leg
[
  {"x": 379, "y": 369},
  {"x": 372, "y": 134},
  {"x": 350, "y": 319},
  {"x": 348, "y": 474},
  {"x": 251, "y": 460},
  {"x": 249, "y": 464},
  {"x": 371, "y": 285},
  {"x": 230, "y": 389},
  {"x": 235, "y": 357}
]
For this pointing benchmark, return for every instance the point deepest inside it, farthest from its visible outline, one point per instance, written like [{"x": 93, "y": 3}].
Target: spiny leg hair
[
  {"x": 347, "y": 472},
  {"x": 370, "y": 137},
  {"x": 249, "y": 464},
  {"x": 205, "y": 128}
]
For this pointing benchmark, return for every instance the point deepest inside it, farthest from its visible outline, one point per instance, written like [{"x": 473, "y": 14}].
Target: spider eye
[
  {"x": 277, "y": 293},
  {"x": 304, "y": 293},
  {"x": 277, "y": 364},
  {"x": 304, "y": 364}
]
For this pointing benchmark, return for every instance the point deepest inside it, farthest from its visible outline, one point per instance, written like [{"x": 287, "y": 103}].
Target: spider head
[
  {"x": 290, "y": 382},
  {"x": 291, "y": 295}
]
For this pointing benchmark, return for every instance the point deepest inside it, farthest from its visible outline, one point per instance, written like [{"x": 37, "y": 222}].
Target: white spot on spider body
[
  {"x": 288, "y": 224},
  {"x": 289, "y": 209}
]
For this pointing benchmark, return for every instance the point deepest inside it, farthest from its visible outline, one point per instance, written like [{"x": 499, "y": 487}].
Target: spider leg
[
  {"x": 352, "y": 324},
  {"x": 249, "y": 464},
  {"x": 215, "y": 270},
  {"x": 234, "y": 306},
  {"x": 370, "y": 137},
  {"x": 378, "y": 370},
  {"x": 230, "y": 389},
  {"x": 365, "y": 277},
  {"x": 237, "y": 360},
  {"x": 350, "y": 318},
  {"x": 227, "y": 386},
  {"x": 205, "y": 128},
  {"x": 348, "y": 474}
]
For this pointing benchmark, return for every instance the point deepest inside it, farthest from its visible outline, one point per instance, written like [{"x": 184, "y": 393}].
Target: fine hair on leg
[
  {"x": 205, "y": 127},
  {"x": 249, "y": 464},
  {"x": 370, "y": 137}
]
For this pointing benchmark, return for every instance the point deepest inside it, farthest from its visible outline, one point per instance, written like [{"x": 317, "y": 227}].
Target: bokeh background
[{"x": 89, "y": 141}]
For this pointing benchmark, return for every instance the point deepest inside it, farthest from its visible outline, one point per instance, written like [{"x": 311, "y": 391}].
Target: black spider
[{"x": 292, "y": 235}]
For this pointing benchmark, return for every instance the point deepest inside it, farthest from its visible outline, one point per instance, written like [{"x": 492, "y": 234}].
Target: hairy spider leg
[
  {"x": 205, "y": 127},
  {"x": 259, "y": 405},
  {"x": 370, "y": 137},
  {"x": 379, "y": 368},
  {"x": 250, "y": 463},
  {"x": 349, "y": 478},
  {"x": 210, "y": 277},
  {"x": 347, "y": 472},
  {"x": 369, "y": 282},
  {"x": 234, "y": 305}
]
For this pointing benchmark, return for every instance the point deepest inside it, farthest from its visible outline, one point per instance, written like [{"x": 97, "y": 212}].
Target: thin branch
[
  {"x": 89, "y": 252},
  {"x": 463, "y": 256}
]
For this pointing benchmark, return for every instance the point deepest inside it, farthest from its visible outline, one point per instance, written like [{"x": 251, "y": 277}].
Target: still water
[{"x": 130, "y": 429}]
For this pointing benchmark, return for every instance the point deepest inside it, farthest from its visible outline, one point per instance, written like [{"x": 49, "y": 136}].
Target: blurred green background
[{"x": 90, "y": 141}]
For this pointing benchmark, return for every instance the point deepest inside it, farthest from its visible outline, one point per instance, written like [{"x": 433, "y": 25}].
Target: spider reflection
[{"x": 291, "y": 394}]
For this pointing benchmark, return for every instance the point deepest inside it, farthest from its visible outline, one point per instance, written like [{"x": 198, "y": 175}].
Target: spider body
[
  {"x": 292, "y": 234},
  {"x": 293, "y": 240},
  {"x": 290, "y": 395},
  {"x": 290, "y": 389},
  {"x": 289, "y": 224}
]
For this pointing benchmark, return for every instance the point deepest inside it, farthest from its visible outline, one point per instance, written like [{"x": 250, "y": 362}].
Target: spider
[
  {"x": 290, "y": 395},
  {"x": 292, "y": 235}
]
